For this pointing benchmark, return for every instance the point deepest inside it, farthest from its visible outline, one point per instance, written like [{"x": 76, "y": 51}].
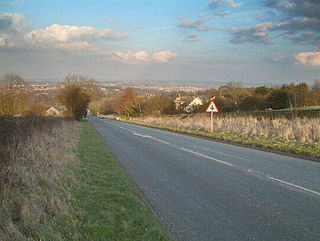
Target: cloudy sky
[{"x": 252, "y": 41}]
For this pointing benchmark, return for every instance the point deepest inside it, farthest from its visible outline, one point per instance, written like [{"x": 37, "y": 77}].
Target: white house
[
  {"x": 53, "y": 112},
  {"x": 196, "y": 102}
]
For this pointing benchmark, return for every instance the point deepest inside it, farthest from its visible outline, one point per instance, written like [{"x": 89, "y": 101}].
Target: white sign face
[{"x": 212, "y": 107}]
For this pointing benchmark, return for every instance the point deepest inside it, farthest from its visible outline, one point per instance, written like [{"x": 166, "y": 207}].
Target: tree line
[
  {"x": 234, "y": 97},
  {"x": 78, "y": 93},
  {"x": 231, "y": 97}
]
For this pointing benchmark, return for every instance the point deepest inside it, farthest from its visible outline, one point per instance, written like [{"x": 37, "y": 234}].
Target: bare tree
[
  {"x": 316, "y": 84},
  {"x": 14, "y": 95}
]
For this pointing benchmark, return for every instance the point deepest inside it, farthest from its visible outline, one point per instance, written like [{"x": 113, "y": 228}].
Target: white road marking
[
  {"x": 164, "y": 142},
  {"x": 151, "y": 137},
  {"x": 293, "y": 185},
  {"x": 226, "y": 154},
  {"x": 219, "y": 161},
  {"x": 208, "y": 157},
  {"x": 137, "y": 134}
]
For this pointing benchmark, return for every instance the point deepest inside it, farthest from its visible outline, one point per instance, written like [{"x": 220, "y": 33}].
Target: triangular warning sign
[{"x": 212, "y": 107}]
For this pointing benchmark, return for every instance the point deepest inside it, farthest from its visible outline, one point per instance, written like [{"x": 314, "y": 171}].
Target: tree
[
  {"x": 158, "y": 105},
  {"x": 14, "y": 95},
  {"x": 125, "y": 103},
  {"x": 297, "y": 95},
  {"x": 316, "y": 84},
  {"x": 262, "y": 90},
  {"x": 74, "y": 96},
  {"x": 277, "y": 99},
  {"x": 314, "y": 96},
  {"x": 252, "y": 103}
]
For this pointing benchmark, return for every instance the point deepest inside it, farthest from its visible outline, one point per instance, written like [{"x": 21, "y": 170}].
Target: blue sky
[{"x": 254, "y": 42}]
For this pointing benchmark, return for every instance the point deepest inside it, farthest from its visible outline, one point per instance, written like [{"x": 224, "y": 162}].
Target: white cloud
[
  {"x": 163, "y": 56},
  {"x": 308, "y": 58},
  {"x": 73, "y": 38},
  {"x": 68, "y": 33},
  {"x": 123, "y": 56},
  {"x": 84, "y": 39},
  {"x": 142, "y": 56}
]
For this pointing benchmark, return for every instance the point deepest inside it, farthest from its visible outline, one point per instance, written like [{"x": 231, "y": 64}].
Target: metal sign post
[
  {"x": 211, "y": 122},
  {"x": 212, "y": 108}
]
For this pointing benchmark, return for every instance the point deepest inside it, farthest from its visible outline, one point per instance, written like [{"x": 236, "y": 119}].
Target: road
[{"x": 205, "y": 190}]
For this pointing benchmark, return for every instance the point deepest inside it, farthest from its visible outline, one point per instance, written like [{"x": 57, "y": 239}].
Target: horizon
[
  {"x": 218, "y": 41},
  {"x": 175, "y": 83}
]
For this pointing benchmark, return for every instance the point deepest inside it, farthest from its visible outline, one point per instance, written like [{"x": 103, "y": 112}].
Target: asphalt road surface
[{"x": 205, "y": 190}]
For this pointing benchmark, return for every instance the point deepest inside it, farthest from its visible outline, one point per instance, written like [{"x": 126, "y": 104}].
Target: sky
[{"x": 266, "y": 42}]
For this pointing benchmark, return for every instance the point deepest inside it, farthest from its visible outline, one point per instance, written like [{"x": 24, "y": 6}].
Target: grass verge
[
  {"x": 106, "y": 205},
  {"x": 37, "y": 164},
  {"x": 307, "y": 150}
]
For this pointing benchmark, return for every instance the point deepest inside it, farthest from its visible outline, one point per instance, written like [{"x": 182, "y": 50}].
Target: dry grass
[
  {"x": 36, "y": 154},
  {"x": 303, "y": 130}
]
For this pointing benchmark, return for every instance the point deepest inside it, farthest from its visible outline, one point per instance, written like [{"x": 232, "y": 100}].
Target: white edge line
[{"x": 293, "y": 185}]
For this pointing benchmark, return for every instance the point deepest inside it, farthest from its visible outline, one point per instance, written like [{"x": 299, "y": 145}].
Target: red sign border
[{"x": 214, "y": 104}]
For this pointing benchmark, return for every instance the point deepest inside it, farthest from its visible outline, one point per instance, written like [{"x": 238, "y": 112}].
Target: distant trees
[
  {"x": 14, "y": 95},
  {"x": 75, "y": 95},
  {"x": 234, "y": 97},
  {"x": 231, "y": 96}
]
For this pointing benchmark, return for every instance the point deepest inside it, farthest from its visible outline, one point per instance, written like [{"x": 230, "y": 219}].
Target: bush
[{"x": 75, "y": 99}]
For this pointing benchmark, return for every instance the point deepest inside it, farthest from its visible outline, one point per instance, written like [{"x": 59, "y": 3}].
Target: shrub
[{"x": 75, "y": 99}]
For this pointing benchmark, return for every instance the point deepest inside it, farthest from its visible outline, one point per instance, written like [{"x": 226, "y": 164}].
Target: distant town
[{"x": 141, "y": 87}]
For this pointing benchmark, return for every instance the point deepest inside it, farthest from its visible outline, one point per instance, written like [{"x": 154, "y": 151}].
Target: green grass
[
  {"x": 303, "y": 149},
  {"x": 106, "y": 205}
]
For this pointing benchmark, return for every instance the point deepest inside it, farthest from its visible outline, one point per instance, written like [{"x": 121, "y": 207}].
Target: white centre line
[
  {"x": 208, "y": 157},
  {"x": 293, "y": 185}
]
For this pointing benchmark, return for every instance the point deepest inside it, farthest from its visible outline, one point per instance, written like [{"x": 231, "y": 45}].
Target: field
[{"x": 297, "y": 135}]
